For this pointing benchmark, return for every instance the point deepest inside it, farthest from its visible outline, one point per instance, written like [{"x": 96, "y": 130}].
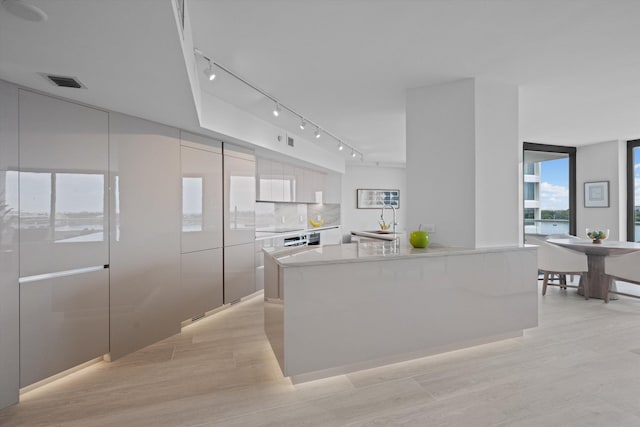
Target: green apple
[{"x": 419, "y": 239}]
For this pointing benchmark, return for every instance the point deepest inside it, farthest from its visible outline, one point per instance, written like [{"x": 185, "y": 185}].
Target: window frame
[
  {"x": 571, "y": 151},
  {"x": 631, "y": 224}
]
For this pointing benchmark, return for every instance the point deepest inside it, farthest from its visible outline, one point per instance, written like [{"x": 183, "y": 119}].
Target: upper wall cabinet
[
  {"x": 275, "y": 181},
  {"x": 63, "y": 185},
  {"x": 201, "y": 160},
  {"x": 239, "y": 197},
  {"x": 282, "y": 182}
]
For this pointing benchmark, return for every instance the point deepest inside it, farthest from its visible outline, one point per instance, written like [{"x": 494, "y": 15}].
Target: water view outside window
[
  {"x": 192, "y": 213},
  {"x": 546, "y": 195}
]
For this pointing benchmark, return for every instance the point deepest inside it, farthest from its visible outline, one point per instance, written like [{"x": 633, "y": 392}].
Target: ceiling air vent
[{"x": 64, "y": 81}]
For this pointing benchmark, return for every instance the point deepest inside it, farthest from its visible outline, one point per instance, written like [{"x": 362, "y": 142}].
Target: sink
[{"x": 379, "y": 231}]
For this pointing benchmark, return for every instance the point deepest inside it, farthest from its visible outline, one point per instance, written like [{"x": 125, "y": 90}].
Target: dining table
[{"x": 596, "y": 278}]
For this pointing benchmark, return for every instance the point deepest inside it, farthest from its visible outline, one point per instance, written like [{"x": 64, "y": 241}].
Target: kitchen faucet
[{"x": 395, "y": 221}]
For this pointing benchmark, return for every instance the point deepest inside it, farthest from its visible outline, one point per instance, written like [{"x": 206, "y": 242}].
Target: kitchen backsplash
[{"x": 295, "y": 215}]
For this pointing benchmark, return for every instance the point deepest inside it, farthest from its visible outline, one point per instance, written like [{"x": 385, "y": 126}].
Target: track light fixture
[{"x": 209, "y": 71}]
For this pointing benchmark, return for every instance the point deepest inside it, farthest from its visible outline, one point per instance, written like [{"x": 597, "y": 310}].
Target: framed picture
[
  {"x": 376, "y": 199},
  {"x": 596, "y": 194}
]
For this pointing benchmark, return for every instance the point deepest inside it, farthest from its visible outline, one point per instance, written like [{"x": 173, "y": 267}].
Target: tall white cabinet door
[
  {"x": 201, "y": 197},
  {"x": 202, "y": 282},
  {"x": 63, "y": 185},
  {"x": 239, "y": 197},
  {"x": 63, "y": 233},
  {"x": 145, "y": 225},
  {"x": 239, "y": 272},
  {"x": 9, "y": 293}
]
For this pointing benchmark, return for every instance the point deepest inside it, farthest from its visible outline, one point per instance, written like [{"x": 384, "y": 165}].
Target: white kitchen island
[{"x": 335, "y": 309}]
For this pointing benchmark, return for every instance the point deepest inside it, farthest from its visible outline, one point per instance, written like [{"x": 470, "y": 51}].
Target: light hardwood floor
[{"x": 580, "y": 367}]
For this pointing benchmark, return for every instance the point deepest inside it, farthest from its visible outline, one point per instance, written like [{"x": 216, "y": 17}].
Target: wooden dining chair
[
  {"x": 622, "y": 268},
  {"x": 556, "y": 263}
]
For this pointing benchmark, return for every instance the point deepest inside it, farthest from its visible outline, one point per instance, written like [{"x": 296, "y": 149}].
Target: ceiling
[
  {"x": 348, "y": 64},
  {"x": 344, "y": 64}
]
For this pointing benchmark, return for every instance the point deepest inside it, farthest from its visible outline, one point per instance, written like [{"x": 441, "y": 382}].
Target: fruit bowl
[{"x": 597, "y": 235}]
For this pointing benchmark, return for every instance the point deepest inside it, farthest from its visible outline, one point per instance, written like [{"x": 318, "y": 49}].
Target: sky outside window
[{"x": 554, "y": 184}]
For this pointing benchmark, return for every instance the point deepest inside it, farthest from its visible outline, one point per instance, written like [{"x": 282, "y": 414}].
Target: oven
[{"x": 300, "y": 240}]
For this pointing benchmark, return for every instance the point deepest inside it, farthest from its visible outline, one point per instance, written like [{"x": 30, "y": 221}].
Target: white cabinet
[
  {"x": 64, "y": 309},
  {"x": 288, "y": 183},
  {"x": 145, "y": 233},
  {"x": 300, "y": 189},
  {"x": 239, "y": 271},
  {"x": 313, "y": 186},
  {"x": 275, "y": 181},
  {"x": 239, "y": 197},
  {"x": 201, "y": 259},
  {"x": 239, "y": 223},
  {"x": 9, "y": 292},
  {"x": 332, "y": 236},
  {"x": 63, "y": 185},
  {"x": 64, "y": 321},
  {"x": 201, "y": 194},
  {"x": 202, "y": 282},
  {"x": 333, "y": 192},
  {"x": 263, "y": 187}
]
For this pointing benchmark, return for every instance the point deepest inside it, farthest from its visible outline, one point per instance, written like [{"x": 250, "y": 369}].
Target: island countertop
[{"x": 369, "y": 251}]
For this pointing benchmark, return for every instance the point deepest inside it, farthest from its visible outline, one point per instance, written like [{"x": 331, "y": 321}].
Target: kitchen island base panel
[
  {"x": 337, "y": 316},
  {"x": 371, "y": 364}
]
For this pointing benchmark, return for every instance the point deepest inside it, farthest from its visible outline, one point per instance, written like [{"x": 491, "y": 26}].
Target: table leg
[{"x": 596, "y": 278}]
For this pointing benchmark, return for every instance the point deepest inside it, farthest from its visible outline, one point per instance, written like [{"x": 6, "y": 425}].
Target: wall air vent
[
  {"x": 290, "y": 141},
  {"x": 64, "y": 81}
]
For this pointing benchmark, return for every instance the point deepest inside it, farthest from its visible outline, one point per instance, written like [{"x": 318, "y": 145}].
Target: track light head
[
  {"x": 353, "y": 153},
  {"x": 317, "y": 133},
  {"x": 276, "y": 110},
  {"x": 340, "y": 146},
  {"x": 303, "y": 123},
  {"x": 209, "y": 72}
]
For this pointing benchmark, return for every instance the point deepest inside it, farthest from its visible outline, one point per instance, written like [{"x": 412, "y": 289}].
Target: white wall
[
  {"x": 462, "y": 162},
  {"x": 440, "y": 161},
  {"x": 605, "y": 161},
  {"x": 375, "y": 177},
  {"x": 497, "y": 161}
]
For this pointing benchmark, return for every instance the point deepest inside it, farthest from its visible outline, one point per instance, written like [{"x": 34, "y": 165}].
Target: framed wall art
[
  {"x": 596, "y": 194},
  {"x": 376, "y": 199}
]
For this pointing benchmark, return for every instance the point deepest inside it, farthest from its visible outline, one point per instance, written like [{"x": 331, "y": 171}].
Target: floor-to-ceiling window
[
  {"x": 633, "y": 190},
  {"x": 549, "y": 189}
]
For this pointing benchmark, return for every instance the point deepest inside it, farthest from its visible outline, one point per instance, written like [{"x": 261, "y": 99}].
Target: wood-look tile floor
[{"x": 580, "y": 367}]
